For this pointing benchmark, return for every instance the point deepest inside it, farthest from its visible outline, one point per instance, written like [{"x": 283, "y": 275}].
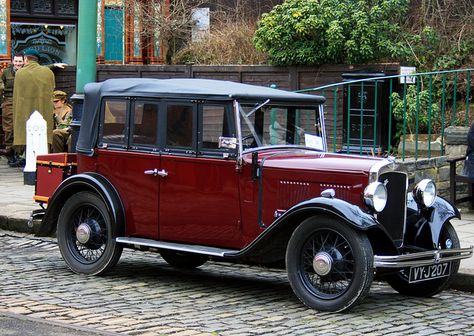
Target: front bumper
[{"x": 422, "y": 258}]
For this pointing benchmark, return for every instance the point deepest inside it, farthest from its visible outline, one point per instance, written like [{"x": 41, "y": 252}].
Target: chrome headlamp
[
  {"x": 375, "y": 196},
  {"x": 425, "y": 192}
]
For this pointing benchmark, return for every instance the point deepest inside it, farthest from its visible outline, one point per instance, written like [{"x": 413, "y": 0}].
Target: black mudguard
[
  {"x": 276, "y": 235},
  {"x": 434, "y": 217},
  {"x": 352, "y": 214},
  {"x": 82, "y": 182}
]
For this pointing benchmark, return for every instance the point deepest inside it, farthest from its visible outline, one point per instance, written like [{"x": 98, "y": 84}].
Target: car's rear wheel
[
  {"x": 183, "y": 259},
  {"x": 400, "y": 280},
  {"x": 329, "y": 264},
  {"x": 86, "y": 235}
]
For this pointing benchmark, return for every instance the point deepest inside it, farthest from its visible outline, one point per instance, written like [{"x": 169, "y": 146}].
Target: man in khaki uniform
[
  {"x": 33, "y": 90},
  {"x": 8, "y": 78},
  {"x": 62, "y": 120}
]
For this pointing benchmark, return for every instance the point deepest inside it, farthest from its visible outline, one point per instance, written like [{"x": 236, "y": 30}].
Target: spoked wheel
[
  {"x": 183, "y": 259},
  {"x": 86, "y": 236},
  {"x": 329, "y": 265},
  {"x": 400, "y": 280}
]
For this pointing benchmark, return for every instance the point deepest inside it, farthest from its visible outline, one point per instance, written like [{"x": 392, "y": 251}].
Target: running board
[{"x": 198, "y": 249}]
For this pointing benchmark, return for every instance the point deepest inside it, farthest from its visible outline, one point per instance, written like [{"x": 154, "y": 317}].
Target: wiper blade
[{"x": 256, "y": 108}]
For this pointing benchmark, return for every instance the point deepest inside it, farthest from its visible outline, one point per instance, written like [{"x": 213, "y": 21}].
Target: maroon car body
[{"x": 200, "y": 169}]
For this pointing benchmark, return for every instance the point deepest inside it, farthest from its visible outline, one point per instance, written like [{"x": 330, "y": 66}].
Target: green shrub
[
  {"x": 312, "y": 32},
  {"x": 420, "y": 116}
]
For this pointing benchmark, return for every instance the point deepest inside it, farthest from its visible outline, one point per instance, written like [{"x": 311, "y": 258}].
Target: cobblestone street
[{"x": 144, "y": 296}]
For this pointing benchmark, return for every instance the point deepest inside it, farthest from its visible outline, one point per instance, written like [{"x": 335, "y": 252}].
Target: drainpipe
[{"x": 85, "y": 62}]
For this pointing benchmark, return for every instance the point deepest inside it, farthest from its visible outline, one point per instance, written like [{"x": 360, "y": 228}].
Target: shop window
[
  {"x": 113, "y": 29},
  {"x": 55, "y": 43}
]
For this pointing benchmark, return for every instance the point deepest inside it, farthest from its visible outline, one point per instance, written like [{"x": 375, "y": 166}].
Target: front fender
[
  {"x": 273, "y": 240},
  {"x": 348, "y": 212},
  {"x": 435, "y": 217},
  {"x": 82, "y": 182}
]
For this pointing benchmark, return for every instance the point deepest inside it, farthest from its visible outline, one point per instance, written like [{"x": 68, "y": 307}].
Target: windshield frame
[{"x": 242, "y": 116}]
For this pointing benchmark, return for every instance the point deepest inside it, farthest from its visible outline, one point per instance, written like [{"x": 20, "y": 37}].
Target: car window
[
  {"x": 215, "y": 126},
  {"x": 179, "y": 125},
  {"x": 114, "y": 116},
  {"x": 145, "y": 124}
]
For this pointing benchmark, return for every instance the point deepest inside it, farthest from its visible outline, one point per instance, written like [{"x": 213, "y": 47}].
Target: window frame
[
  {"x": 163, "y": 130},
  {"x": 114, "y": 145},
  {"x": 230, "y": 124},
  {"x": 160, "y": 146},
  {"x": 156, "y": 147}
]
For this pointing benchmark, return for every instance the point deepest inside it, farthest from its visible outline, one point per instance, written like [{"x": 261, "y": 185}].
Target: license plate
[{"x": 423, "y": 273}]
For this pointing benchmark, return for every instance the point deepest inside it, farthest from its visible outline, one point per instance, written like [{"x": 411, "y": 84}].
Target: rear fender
[{"x": 82, "y": 182}]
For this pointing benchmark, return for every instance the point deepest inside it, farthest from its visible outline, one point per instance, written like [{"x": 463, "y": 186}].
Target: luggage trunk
[{"x": 51, "y": 170}]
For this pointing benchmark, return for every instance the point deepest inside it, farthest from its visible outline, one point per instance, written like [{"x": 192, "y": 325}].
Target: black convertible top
[{"x": 191, "y": 88}]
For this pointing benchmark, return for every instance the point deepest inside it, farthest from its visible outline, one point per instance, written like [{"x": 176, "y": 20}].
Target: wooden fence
[{"x": 285, "y": 78}]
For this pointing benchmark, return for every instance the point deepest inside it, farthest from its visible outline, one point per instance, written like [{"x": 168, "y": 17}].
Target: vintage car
[{"x": 198, "y": 169}]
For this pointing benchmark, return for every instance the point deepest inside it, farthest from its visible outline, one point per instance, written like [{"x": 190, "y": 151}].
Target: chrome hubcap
[
  {"x": 83, "y": 233},
  {"x": 449, "y": 243},
  {"x": 322, "y": 263}
]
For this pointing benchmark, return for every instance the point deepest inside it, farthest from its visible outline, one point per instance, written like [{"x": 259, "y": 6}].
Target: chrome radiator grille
[{"x": 393, "y": 217}]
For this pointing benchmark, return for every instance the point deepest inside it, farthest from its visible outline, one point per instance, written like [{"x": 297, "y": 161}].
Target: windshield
[{"x": 265, "y": 124}]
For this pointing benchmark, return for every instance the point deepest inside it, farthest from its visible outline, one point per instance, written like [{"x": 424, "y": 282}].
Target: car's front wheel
[
  {"x": 400, "y": 280},
  {"x": 329, "y": 264},
  {"x": 86, "y": 235}
]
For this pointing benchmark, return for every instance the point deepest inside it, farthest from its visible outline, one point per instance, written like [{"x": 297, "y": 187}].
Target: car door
[
  {"x": 128, "y": 157},
  {"x": 199, "y": 200}
]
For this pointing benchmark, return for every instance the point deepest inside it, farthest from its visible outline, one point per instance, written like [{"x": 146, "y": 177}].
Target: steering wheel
[{"x": 248, "y": 141}]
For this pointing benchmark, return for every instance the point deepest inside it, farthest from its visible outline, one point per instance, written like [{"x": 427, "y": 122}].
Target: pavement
[{"x": 16, "y": 205}]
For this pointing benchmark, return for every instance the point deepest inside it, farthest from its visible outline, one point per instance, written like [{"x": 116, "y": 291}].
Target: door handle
[{"x": 154, "y": 172}]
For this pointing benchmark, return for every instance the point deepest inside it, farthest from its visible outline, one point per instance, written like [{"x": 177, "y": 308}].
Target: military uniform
[
  {"x": 62, "y": 120},
  {"x": 8, "y": 78}
]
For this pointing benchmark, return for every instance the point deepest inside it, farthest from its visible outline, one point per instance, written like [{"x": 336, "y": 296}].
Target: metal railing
[{"x": 400, "y": 115}]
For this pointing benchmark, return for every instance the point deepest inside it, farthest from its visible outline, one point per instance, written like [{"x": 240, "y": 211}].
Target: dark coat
[{"x": 469, "y": 164}]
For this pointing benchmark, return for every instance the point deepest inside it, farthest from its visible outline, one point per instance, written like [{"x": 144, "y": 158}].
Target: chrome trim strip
[
  {"x": 423, "y": 258},
  {"x": 236, "y": 106},
  {"x": 375, "y": 169},
  {"x": 323, "y": 127},
  {"x": 386, "y": 165},
  {"x": 199, "y": 249}
]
